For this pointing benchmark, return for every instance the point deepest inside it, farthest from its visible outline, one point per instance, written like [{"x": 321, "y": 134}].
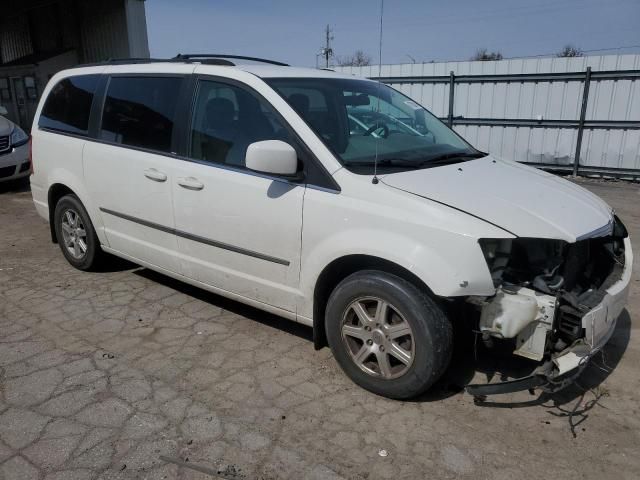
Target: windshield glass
[{"x": 358, "y": 119}]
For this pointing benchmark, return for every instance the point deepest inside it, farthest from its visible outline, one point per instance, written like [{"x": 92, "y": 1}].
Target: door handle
[
  {"x": 190, "y": 183},
  {"x": 155, "y": 175}
]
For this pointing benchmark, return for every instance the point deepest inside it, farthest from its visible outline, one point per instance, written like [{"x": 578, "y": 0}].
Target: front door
[{"x": 237, "y": 230}]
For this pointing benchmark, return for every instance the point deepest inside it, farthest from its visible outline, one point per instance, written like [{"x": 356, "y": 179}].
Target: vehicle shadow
[
  {"x": 470, "y": 358},
  {"x": 265, "y": 318},
  {"x": 577, "y": 399},
  {"x": 116, "y": 264}
]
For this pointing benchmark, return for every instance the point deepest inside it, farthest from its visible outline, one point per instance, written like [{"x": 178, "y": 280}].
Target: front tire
[
  {"x": 75, "y": 233},
  {"x": 388, "y": 336}
]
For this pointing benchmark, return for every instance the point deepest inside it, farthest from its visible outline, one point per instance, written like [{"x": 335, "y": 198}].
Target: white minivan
[{"x": 336, "y": 202}]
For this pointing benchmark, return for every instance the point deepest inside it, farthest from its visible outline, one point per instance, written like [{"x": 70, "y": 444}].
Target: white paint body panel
[
  {"x": 521, "y": 199},
  {"x": 247, "y": 212},
  {"x": 600, "y": 322},
  {"x": 116, "y": 178}
]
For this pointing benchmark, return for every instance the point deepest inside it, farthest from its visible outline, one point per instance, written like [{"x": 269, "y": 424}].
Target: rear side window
[
  {"x": 140, "y": 111},
  {"x": 68, "y": 105}
]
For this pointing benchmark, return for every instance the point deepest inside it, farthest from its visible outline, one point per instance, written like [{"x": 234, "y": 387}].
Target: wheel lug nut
[
  {"x": 381, "y": 348},
  {"x": 367, "y": 328},
  {"x": 369, "y": 342}
]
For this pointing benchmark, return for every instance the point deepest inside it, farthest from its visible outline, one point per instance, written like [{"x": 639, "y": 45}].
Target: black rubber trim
[
  {"x": 511, "y": 386},
  {"x": 197, "y": 238}
]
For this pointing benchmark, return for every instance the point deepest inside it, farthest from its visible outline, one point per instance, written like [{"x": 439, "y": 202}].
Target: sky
[{"x": 293, "y": 31}]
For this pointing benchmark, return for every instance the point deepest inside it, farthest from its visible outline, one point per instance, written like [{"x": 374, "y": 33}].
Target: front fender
[
  {"x": 435, "y": 242},
  {"x": 459, "y": 271}
]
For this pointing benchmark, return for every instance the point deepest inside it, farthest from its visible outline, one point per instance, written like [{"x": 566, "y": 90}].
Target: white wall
[{"x": 608, "y": 100}]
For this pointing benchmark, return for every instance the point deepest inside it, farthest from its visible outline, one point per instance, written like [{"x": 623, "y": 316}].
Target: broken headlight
[
  {"x": 531, "y": 262},
  {"x": 496, "y": 253}
]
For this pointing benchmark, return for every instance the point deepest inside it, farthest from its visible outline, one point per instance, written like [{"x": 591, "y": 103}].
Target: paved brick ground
[{"x": 102, "y": 374}]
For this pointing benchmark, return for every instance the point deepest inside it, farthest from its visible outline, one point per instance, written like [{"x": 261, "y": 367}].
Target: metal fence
[{"x": 546, "y": 112}]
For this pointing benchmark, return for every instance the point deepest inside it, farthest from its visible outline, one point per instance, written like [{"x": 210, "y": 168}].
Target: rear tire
[
  {"x": 75, "y": 233},
  {"x": 388, "y": 336}
]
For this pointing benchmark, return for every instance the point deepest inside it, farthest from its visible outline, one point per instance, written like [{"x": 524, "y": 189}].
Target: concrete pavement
[{"x": 128, "y": 374}]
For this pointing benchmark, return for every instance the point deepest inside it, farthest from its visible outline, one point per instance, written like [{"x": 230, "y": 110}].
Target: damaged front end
[{"x": 556, "y": 303}]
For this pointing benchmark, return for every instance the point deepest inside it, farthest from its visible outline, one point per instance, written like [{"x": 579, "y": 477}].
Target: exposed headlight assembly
[
  {"x": 496, "y": 253},
  {"x": 531, "y": 262},
  {"x": 18, "y": 137}
]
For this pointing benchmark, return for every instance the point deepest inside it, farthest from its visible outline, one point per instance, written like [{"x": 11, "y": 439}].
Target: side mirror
[
  {"x": 272, "y": 156},
  {"x": 3, "y": 111}
]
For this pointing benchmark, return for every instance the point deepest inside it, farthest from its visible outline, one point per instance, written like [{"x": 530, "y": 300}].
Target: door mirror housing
[
  {"x": 3, "y": 111},
  {"x": 272, "y": 156}
]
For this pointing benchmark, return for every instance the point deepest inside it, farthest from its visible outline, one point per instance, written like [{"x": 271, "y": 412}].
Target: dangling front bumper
[{"x": 598, "y": 323}]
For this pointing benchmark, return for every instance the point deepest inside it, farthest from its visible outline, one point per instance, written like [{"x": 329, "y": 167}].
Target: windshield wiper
[
  {"x": 385, "y": 162},
  {"x": 439, "y": 160},
  {"x": 451, "y": 157}
]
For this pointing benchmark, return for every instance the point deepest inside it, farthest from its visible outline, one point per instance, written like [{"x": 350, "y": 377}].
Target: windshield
[{"x": 359, "y": 119}]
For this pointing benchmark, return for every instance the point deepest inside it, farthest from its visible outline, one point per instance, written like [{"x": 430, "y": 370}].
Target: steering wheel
[{"x": 380, "y": 126}]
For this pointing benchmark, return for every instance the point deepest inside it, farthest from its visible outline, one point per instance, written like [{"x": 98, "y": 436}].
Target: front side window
[
  {"x": 361, "y": 121},
  {"x": 140, "y": 111},
  {"x": 68, "y": 105},
  {"x": 226, "y": 119}
]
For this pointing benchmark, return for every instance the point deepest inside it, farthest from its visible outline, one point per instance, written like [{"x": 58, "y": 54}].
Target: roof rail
[
  {"x": 196, "y": 57},
  {"x": 211, "y": 59},
  {"x": 125, "y": 61}
]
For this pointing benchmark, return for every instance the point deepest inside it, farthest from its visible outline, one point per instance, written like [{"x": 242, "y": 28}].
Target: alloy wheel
[
  {"x": 378, "y": 338},
  {"x": 74, "y": 234}
]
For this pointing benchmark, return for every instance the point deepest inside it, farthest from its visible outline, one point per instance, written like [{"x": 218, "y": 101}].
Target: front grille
[
  {"x": 4, "y": 144},
  {"x": 7, "y": 171},
  {"x": 570, "y": 323}
]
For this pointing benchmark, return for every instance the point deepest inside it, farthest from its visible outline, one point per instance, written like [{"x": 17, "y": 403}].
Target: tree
[
  {"x": 570, "y": 51},
  {"x": 358, "y": 59},
  {"x": 483, "y": 55}
]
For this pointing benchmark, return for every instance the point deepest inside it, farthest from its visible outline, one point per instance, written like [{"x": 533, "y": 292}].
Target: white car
[
  {"x": 14, "y": 150},
  {"x": 253, "y": 181}
]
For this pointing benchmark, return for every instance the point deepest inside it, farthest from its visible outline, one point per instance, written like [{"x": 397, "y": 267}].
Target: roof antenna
[{"x": 375, "y": 162}]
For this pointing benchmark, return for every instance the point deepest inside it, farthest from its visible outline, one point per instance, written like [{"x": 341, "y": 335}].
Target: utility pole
[{"x": 327, "y": 51}]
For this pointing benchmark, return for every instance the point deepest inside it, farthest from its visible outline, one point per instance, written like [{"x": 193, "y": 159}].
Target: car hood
[
  {"x": 6, "y": 126},
  {"x": 522, "y": 200}
]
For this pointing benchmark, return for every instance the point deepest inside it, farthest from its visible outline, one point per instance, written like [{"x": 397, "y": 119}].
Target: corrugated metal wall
[
  {"x": 45, "y": 28},
  {"x": 104, "y": 31},
  {"x": 15, "y": 41},
  {"x": 41, "y": 37},
  {"x": 558, "y": 100},
  {"x": 97, "y": 30}
]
